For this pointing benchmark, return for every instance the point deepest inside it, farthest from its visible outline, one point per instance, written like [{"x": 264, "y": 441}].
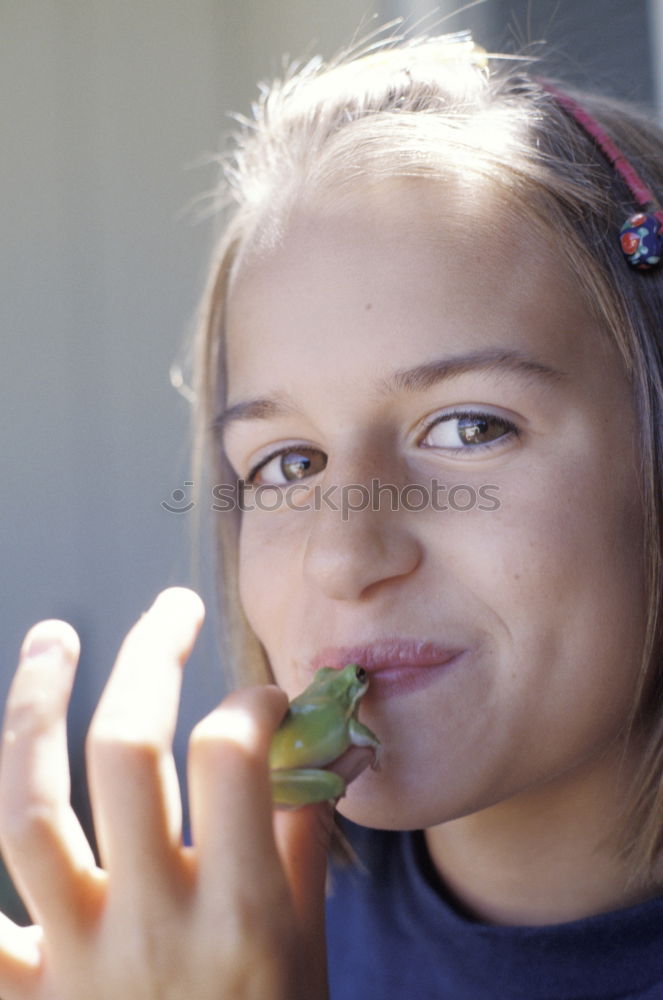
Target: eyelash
[{"x": 510, "y": 430}]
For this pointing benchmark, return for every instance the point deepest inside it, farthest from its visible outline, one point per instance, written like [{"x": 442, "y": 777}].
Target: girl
[{"x": 436, "y": 378}]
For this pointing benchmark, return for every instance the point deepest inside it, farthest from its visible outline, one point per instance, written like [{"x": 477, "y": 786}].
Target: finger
[
  {"x": 229, "y": 788},
  {"x": 20, "y": 959},
  {"x": 45, "y": 848},
  {"x": 133, "y": 783},
  {"x": 353, "y": 762},
  {"x": 234, "y": 833},
  {"x": 303, "y": 838}
]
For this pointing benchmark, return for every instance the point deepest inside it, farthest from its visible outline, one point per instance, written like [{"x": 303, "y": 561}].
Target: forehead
[{"x": 400, "y": 267}]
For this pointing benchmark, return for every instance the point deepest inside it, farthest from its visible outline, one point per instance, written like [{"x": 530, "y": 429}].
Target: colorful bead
[{"x": 641, "y": 238}]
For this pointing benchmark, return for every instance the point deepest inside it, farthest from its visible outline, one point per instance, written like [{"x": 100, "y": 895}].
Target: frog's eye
[{"x": 361, "y": 674}]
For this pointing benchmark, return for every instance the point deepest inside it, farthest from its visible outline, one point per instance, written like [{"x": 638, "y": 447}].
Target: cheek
[
  {"x": 562, "y": 570},
  {"x": 257, "y": 558},
  {"x": 571, "y": 519},
  {"x": 267, "y": 575}
]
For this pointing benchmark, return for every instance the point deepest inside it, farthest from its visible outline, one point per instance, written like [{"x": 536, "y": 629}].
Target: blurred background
[{"x": 110, "y": 113}]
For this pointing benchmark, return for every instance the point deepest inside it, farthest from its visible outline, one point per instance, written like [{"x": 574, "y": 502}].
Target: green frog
[{"x": 319, "y": 725}]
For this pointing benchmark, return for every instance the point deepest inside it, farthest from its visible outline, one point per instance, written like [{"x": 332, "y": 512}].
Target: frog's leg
[
  {"x": 302, "y": 786},
  {"x": 361, "y": 736}
]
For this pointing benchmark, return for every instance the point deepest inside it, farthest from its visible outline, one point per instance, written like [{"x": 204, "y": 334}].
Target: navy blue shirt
[{"x": 394, "y": 935}]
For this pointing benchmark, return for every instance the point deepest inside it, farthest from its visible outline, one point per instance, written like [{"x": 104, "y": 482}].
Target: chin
[
  {"x": 389, "y": 809},
  {"x": 373, "y": 800}
]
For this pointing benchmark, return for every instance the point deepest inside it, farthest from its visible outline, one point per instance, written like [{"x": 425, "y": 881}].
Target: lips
[{"x": 396, "y": 665}]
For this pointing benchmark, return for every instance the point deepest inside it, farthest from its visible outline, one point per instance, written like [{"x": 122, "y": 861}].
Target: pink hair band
[{"x": 641, "y": 236}]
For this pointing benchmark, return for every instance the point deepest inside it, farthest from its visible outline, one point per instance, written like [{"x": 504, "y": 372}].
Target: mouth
[{"x": 395, "y": 665}]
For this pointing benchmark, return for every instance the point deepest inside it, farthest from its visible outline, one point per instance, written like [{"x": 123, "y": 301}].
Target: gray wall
[
  {"x": 109, "y": 108},
  {"x": 602, "y": 44}
]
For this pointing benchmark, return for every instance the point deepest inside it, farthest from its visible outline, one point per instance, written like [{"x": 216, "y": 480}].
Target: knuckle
[
  {"x": 247, "y": 936},
  {"x": 210, "y": 749},
  {"x": 29, "y": 823},
  {"x": 229, "y": 726},
  {"x": 121, "y": 749},
  {"x": 205, "y": 738},
  {"x": 200, "y": 735},
  {"x": 29, "y": 714},
  {"x": 154, "y": 946}
]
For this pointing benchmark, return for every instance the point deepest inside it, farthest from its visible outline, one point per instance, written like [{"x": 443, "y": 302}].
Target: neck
[{"x": 547, "y": 855}]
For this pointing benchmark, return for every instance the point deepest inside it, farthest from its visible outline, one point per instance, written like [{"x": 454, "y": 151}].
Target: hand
[{"x": 238, "y": 916}]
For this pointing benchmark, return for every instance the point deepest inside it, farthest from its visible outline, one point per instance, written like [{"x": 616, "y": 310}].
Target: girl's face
[{"x": 443, "y": 447}]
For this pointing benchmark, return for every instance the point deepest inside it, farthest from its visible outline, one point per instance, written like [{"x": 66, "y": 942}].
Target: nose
[{"x": 358, "y": 545}]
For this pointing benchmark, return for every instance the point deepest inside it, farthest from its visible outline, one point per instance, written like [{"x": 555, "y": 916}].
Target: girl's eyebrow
[
  {"x": 489, "y": 359},
  {"x": 261, "y": 408},
  {"x": 413, "y": 379}
]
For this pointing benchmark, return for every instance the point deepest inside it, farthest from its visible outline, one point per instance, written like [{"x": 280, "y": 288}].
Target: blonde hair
[{"x": 440, "y": 108}]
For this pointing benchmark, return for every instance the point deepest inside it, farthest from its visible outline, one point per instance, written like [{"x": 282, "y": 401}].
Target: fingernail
[
  {"x": 41, "y": 644},
  {"x": 52, "y": 638}
]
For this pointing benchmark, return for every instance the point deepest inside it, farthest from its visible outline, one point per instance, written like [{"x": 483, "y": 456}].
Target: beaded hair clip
[{"x": 641, "y": 236}]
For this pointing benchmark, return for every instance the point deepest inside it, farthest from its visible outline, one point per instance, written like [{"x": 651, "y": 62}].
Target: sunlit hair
[{"x": 441, "y": 109}]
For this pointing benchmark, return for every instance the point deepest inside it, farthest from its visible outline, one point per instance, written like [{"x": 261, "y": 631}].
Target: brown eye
[
  {"x": 361, "y": 674},
  {"x": 287, "y": 466},
  {"x": 295, "y": 465},
  {"x": 474, "y": 430}
]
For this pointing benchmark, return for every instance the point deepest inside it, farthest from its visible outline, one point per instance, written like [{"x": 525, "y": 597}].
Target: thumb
[{"x": 303, "y": 837}]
